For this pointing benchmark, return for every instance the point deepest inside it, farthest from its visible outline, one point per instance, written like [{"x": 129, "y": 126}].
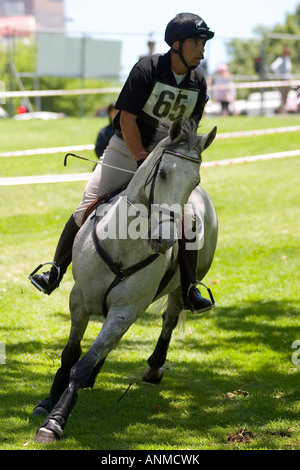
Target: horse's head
[{"x": 174, "y": 166}]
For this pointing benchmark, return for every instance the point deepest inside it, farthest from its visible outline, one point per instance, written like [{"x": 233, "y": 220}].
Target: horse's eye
[{"x": 162, "y": 174}]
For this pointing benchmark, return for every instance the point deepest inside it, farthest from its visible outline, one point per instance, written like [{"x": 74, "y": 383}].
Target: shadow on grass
[{"x": 190, "y": 405}]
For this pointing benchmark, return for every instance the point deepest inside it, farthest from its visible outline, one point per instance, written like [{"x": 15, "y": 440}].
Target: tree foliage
[{"x": 243, "y": 53}]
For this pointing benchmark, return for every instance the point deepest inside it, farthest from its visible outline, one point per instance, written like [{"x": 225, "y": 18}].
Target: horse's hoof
[
  {"x": 44, "y": 407},
  {"x": 50, "y": 431},
  {"x": 40, "y": 411},
  {"x": 153, "y": 376},
  {"x": 45, "y": 436}
]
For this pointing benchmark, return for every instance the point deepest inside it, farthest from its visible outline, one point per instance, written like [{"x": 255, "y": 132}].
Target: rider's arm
[{"x": 132, "y": 136}]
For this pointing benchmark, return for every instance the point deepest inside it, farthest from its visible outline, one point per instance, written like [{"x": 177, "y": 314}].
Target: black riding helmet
[{"x": 186, "y": 25}]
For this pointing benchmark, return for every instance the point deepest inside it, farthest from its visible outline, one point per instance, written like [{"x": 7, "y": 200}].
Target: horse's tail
[
  {"x": 181, "y": 321},
  {"x": 159, "y": 306}
]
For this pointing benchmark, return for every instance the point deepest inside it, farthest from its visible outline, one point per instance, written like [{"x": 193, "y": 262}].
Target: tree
[{"x": 253, "y": 57}]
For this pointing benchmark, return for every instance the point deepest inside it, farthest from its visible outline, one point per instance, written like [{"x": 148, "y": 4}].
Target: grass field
[{"x": 230, "y": 381}]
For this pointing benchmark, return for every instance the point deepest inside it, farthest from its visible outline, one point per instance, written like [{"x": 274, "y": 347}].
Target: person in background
[
  {"x": 106, "y": 132},
  {"x": 226, "y": 95},
  {"x": 21, "y": 109},
  {"x": 282, "y": 68}
]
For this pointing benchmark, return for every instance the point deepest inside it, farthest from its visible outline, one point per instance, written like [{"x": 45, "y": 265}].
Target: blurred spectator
[
  {"x": 106, "y": 133},
  {"x": 204, "y": 66},
  {"x": 298, "y": 98},
  {"x": 282, "y": 68},
  {"x": 227, "y": 94},
  {"x": 151, "y": 47},
  {"x": 21, "y": 109},
  {"x": 258, "y": 65}
]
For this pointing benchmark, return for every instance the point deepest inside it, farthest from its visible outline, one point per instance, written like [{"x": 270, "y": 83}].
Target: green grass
[{"x": 244, "y": 344}]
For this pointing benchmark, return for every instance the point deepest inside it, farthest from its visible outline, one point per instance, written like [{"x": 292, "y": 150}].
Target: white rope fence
[
  {"x": 12, "y": 181},
  {"x": 252, "y": 158},
  {"x": 277, "y": 130},
  {"x": 82, "y": 148},
  {"x": 35, "y": 93},
  {"x": 98, "y": 91}
]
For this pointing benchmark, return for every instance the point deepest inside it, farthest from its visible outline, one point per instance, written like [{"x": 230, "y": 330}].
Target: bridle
[
  {"x": 120, "y": 273},
  {"x": 151, "y": 179}
]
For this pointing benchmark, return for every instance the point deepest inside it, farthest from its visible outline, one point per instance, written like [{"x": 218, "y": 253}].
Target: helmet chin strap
[{"x": 179, "y": 52}]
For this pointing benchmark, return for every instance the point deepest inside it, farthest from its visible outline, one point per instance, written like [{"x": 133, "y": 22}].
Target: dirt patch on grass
[{"x": 242, "y": 435}]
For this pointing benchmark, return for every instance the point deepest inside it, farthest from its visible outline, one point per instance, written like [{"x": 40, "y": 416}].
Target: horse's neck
[{"x": 135, "y": 190}]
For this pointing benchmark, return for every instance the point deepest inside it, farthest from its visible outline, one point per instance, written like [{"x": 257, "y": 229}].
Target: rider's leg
[
  {"x": 50, "y": 280},
  {"x": 107, "y": 180},
  {"x": 104, "y": 180},
  {"x": 191, "y": 296}
]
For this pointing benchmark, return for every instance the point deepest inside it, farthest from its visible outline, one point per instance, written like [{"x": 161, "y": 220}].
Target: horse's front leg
[
  {"x": 154, "y": 372},
  {"x": 69, "y": 357},
  {"x": 116, "y": 324}
]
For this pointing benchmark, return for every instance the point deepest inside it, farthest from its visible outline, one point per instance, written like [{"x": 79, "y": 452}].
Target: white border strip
[{"x": 12, "y": 181}]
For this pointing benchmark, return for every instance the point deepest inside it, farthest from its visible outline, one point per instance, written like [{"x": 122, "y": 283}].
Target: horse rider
[{"x": 160, "y": 87}]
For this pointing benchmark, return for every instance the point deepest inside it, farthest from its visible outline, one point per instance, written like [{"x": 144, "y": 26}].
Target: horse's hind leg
[{"x": 154, "y": 372}]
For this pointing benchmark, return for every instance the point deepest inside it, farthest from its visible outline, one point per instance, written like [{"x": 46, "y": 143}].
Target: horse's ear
[
  {"x": 210, "y": 137},
  {"x": 176, "y": 130}
]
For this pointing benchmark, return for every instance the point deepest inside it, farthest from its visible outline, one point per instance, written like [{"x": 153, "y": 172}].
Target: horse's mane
[{"x": 188, "y": 138}]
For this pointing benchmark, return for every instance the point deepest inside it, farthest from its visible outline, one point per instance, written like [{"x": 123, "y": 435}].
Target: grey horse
[{"x": 119, "y": 274}]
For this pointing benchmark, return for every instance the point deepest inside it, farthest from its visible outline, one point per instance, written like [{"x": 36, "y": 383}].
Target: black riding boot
[
  {"x": 50, "y": 280},
  {"x": 191, "y": 296}
]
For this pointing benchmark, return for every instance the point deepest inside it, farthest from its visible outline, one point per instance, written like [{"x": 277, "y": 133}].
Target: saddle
[{"x": 105, "y": 198}]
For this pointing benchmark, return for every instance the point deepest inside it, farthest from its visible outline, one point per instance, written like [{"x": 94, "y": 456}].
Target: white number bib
[{"x": 169, "y": 103}]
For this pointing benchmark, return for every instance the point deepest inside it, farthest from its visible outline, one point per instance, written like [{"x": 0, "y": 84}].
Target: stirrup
[
  {"x": 189, "y": 305},
  {"x": 33, "y": 281},
  {"x": 209, "y": 292}
]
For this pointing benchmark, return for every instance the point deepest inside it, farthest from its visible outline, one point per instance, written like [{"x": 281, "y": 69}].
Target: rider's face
[{"x": 192, "y": 51}]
